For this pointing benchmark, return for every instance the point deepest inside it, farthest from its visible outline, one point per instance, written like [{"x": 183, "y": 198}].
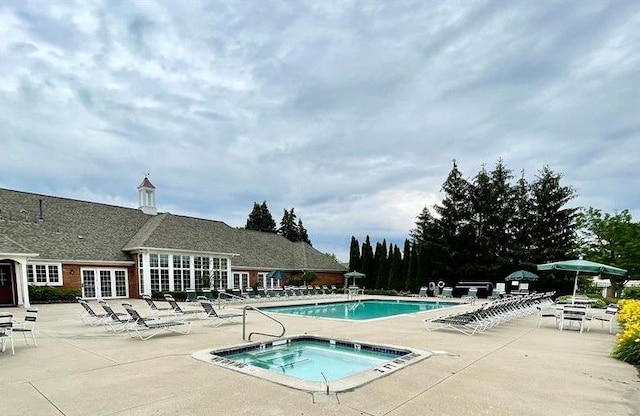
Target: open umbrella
[
  {"x": 276, "y": 274},
  {"x": 580, "y": 265},
  {"x": 522, "y": 275},
  {"x": 354, "y": 275}
]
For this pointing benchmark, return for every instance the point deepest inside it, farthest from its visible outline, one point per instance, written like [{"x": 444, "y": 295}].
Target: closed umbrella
[
  {"x": 580, "y": 265},
  {"x": 522, "y": 275}
]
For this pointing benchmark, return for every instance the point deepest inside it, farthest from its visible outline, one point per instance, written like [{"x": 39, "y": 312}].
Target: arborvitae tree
[
  {"x": 382, "y": 269},
  {"x": 500, "y": 218},
  {"x": 554, "y": 228},
  {"x": 396, "y": 279},
  {"x": 260, "y": 219},
  {"x": 411, "y": 283},
  {"x": 406, "y": 254},
  {"x": 354, "y": 256},
  {"x": 368, "y": 263},
  {"x": 288, "y": 227},
  {"x": 302, "y": 232}
]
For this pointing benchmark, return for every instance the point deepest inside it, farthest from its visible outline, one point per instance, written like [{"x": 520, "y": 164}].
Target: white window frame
[
  {"x": 114, "y": 286},
  {"x": 33, "y": 280}
]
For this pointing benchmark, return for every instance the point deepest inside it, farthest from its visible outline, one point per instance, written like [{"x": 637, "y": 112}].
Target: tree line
[
  {"x": 291, "y": 227},
  {"x": 489, "y": 226}
]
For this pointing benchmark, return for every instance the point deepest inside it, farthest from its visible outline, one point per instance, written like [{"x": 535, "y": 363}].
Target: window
[
  {"x": 201, "y": 268},
  {"x": 104, "y": 283},
  {"x": 141, "y": 273},
  {"x": 181, "y": 272},
  {"x": 159, "y": 265},
  {"x": 44, "y": 274}
]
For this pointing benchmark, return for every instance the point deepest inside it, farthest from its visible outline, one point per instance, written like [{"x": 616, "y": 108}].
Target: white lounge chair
[
  {"x": 143, "y": 329},
  {"x": 211, "y": 317}
]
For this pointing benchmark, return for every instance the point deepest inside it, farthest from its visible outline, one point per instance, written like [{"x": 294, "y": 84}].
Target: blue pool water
[
  {"x": 359, "y": 310},
  {"x": 310, "y": 359}
]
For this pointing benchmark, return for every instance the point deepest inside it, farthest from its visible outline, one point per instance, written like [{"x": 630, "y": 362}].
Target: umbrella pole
[{"x": 575, "y": 288}]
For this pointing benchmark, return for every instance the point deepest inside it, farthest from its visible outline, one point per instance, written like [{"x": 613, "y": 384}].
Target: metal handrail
[
  {"x": 244, "y": 324},
  {"x": 229, "y": 295}
]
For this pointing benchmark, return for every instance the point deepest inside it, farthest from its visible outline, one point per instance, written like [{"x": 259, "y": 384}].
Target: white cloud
[{"x": 350, "y": 112}]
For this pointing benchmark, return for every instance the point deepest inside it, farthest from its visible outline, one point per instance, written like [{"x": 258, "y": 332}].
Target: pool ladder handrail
[
  {"x": 244, "y": 324},
  {"x": 221, "y": 304}
]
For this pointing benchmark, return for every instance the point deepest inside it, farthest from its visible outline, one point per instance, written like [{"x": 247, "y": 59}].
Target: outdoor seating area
[
  {"x": 72, "y": 358},
  {"x": 490, "y": 314}
]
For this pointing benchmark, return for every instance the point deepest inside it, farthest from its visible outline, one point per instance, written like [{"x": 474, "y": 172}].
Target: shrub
[
  {"x": 631, "y": 293},
  {"x": 46, "y": 294},
  {"x": 628, "y": 346}
]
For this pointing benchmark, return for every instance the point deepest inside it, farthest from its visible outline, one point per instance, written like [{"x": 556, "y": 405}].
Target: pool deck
[{"x": 512, "y": 369}]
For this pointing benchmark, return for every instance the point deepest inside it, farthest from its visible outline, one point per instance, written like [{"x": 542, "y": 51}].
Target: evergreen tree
[
  {"x": 288, "y": 227},
  {"x": 404, "y": 271},
  {"x": 260, "y": 219},
  {"x": 396, "y": 279},
  {"x": 354, "y": 255},
  {"x": 267, "y": 221},
  {"x": 302, "y": 232},
  {"x": 554, "y": 229},
  {"x": 381, "y": 270},
  {"x": 521, "y": 222},
  {"x": 412, "y": 265},
  {"x": 455, "y": 224},
  {"x": 368, "y": 263}
]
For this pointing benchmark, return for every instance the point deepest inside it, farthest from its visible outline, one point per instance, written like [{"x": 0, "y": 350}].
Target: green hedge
[
  {"x": 47, "y": 294},
  {"x": 631, "y": 293},
  {"x": 180, "y": 296}
]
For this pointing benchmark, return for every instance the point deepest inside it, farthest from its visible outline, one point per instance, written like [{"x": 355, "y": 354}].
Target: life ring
[
  {"x": 440, "y": 284},
  {"x": 432, "y": 286}
]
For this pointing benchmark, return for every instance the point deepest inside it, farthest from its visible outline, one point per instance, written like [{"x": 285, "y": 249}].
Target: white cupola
[{"x": 147, "y": 197}]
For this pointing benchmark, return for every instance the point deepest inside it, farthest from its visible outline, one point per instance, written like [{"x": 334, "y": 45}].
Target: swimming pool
[
  {"x": 312, "y": 363},
  {"x": 359, "y": 310}
]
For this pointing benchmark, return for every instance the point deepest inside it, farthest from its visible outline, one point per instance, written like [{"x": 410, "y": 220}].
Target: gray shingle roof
[{"x": 86, "y": 231}]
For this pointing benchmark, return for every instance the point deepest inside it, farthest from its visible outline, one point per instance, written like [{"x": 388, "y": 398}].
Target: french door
[{"x": 105, "y": 283}]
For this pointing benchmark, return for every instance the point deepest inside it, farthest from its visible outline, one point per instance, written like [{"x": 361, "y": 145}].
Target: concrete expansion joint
[{"x": 440, "y": 352}]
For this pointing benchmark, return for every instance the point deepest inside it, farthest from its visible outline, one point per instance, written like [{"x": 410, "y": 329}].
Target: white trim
[{"x": 90, "y": 262}]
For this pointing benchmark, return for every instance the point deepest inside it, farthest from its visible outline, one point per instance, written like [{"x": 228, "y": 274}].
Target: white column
[
  {"x": 24, "y": 284},
  {"x": 146, "y": 273}
]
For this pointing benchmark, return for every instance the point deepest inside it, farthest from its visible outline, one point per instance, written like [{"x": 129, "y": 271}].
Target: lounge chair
[
  {"x": 28, "y": 326},
  {"x": 118, "y": 322},
  {"x": 144, "y": 330},
  {"x": 447, "y": 292},
  {"x": 471, "y": 295},
  {"x": 495, "y": 294},
  {"x": 6, "y": 325},
  {"x": 89, "y": 316},
  {"x": 607, "y": 316},
  {"x": 211, "y": 317},
  {"x": 153, "y": 307},
  {"x": 423, "y": 292},
  {"x": 191, "y": 295},
  {"x": 177, "y": 310}
]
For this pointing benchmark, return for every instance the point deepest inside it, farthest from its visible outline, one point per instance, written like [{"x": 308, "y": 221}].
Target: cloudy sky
[{"x": 349, "y": 111}]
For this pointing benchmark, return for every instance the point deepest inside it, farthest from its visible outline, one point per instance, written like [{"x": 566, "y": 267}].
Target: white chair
[
  {"x": 573, "y": 313},
  {"x": 552, "y": 311},
  {"x": 28, "y": 326},
  {"x": 471, "y": 295},
  {"x": 607, "y": 316},
  {"x": 6, "y": 325}
]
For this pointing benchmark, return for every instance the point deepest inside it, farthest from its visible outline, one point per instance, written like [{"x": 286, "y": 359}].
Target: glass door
[{"x": 88, "y": 284}]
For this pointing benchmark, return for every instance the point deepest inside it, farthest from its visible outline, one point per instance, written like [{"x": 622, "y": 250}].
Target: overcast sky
[{"x": 349, "y": 111}]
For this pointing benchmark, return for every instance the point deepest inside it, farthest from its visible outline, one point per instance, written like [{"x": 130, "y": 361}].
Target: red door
[{"x": 6, "y": 285}]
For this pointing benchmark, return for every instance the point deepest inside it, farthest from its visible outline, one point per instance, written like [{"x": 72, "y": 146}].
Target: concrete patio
[{"x": 513, "y": 369}]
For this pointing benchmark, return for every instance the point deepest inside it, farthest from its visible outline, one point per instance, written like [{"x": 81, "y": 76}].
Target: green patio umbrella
[
  {"x": 580, "y": 265},
  {"x": 522, "y": 275},
  {"x": 277, "y": 274}
]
